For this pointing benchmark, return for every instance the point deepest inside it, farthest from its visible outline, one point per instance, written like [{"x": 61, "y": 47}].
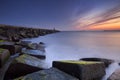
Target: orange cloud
[
  {"x": 113, "y": 24},
  {"x": 107, "y": 25}
]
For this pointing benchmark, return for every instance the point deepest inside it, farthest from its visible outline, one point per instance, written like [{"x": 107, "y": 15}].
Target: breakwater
[{"x": 17, "y": 32}]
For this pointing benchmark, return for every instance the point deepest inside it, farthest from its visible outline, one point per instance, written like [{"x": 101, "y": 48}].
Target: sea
[{"x": 74, "y": 45}]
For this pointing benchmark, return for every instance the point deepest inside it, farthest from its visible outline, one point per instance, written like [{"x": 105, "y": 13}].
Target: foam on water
[{"x": 114, "y": 66}]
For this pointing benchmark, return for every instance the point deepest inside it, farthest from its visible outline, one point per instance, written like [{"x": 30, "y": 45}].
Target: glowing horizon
[{"x": 63, "y": 15}]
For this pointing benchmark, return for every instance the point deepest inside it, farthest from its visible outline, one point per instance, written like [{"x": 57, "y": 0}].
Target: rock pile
[{"x": 15, "y": 33}]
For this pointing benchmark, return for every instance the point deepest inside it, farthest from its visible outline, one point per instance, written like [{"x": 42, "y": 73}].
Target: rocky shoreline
[
  {"x": 24, "y": 60},
  {"x": 15, "y": 33}
]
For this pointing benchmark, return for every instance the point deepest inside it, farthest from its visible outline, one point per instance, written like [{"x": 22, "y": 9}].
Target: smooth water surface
[{"x": 76, "y": 45}]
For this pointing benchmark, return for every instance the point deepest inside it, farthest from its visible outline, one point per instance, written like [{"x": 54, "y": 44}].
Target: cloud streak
[{"x": 98, "y": 17}]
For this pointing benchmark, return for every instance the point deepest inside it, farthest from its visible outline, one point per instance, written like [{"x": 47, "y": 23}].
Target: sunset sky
[{"x": 62, "y": 14}]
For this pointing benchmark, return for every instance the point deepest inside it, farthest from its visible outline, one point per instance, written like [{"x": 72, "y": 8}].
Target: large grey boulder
[
  {"x": 115, "y": 75},
  {"x": 4, "y": 56},
  {"x": 35, "y": 53},
  {"x": 49, "y": 74},
  {"x": 22, "y": 65},
  {"x": 82, "y": 69},
  {"x": 107, "y": 62}
]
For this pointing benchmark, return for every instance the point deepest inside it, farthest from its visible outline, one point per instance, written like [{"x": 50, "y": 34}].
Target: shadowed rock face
[
  {"x": 11, "y": 47},
  {"x": 115, "y": 75},
  {"x": 82, "y": 69},
  {"x": 22, "y": 65},
  {"x": 4, "y": 56},
  {"x": 50, "y": 74},
  {"x": 107, "y": 62}
]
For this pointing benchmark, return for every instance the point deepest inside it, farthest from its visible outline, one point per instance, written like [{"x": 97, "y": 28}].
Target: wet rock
[
  {"x": 15, "y": 38},
  {"x": 49, "y": 74},
  {"x": 35, "y": 53},
  {"x": 115, "y": 75},
  {"x": 107, "y": 62},
  {"x": 41, "y": 43},
  {"x": 24, "y": 43},
  {"x": 18, "y": 48},
  {"x": 22, "y": 65},
  {"x": 41, "y": 47},
  {"x": 36, "y": 46},
  {"x": 4, "y": 56},
  {"x": 11, "y": 47},
  {"x": 82, "y": 69},
  {"x": 32, "y": 46}
]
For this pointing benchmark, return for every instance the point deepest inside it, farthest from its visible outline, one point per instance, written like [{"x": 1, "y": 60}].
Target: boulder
[
  {"x": 22, "y": 65},
  {"x": 49, "y": 74},
  {"x": 36, "y": 46},
  {"x": 11, "y": 47},
  {"x": 107, "y": 62},
  {"x": 4, "y": 56},
  {"x": 83, "y": 70},
  {"x": 24, "y": 43},
  {"x": 32, "y": 46},
  {"x": 115, "y": 75},
  {"x": 35, "y": 53}
]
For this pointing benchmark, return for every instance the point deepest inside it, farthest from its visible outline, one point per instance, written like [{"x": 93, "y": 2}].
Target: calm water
[{"x": 76, "y": 45}]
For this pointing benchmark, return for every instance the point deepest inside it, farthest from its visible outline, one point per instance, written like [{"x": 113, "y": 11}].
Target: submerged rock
[
  {"x": 35, "y": 53},
  {"x": 115, "y": 75},
  {"x": 41, "y": 43},
  {"x": 49, "y": 74},
  {"x": 22, "y": 65},
  {"x": 82, "y": 69},
  {"x": 107, "y": 62},
  {"x": 4, "y": 56}
]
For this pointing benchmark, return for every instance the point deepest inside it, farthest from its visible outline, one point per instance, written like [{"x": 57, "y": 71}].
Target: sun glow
[{"x": 113, "y": 24}]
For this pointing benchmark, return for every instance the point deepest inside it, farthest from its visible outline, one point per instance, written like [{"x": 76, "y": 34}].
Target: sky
[{"x": 62, "y": 14}]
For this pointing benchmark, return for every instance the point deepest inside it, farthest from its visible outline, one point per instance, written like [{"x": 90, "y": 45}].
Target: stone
[
  {"x": 83, "y": 70},
  {"x": 35, "y": 53},
  {"x": 107, "y": 62},
  {"x": 24, "y": 43},
  {"x": 4, "y": 56},
  {"x": 32, "y": 46},
  {"x": 49, "y": 74},
  {"x": 11, "y": 47},
  {"x": 22, "y": 65},
  {"x": 115, "y": 75},
  {"x": 36, "y": 46},
  {"x": 18, "y": 48}
]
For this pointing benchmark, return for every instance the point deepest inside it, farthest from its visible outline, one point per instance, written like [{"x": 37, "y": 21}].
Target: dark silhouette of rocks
[{"x": 15, "y": 33}]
